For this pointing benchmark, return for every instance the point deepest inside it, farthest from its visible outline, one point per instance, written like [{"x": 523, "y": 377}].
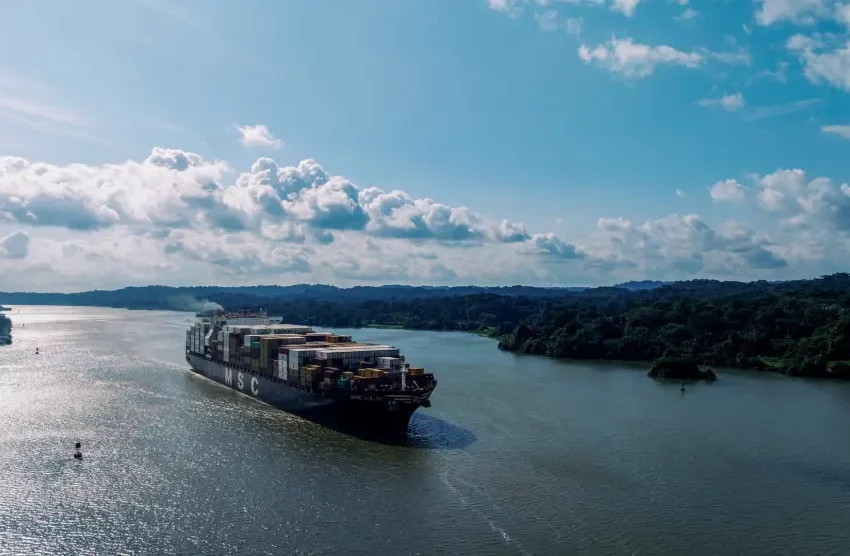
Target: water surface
[{"x": 517, "y": 455}]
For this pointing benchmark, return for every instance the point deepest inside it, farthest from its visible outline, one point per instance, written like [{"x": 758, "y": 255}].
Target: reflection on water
[{"x": 517, "y": 455}]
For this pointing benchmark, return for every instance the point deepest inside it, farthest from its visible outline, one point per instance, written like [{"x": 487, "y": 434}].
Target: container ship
[{"x": 317, "y": 375}]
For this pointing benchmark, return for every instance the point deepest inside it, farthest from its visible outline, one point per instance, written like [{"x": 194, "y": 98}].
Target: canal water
[{"x": 518, "y": 455}]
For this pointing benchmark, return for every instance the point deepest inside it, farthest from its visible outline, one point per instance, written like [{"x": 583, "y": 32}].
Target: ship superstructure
[{"x": 302, "y": 371}]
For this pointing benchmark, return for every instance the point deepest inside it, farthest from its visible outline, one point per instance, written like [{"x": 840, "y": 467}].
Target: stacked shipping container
[{"x": 295, "y": 354}]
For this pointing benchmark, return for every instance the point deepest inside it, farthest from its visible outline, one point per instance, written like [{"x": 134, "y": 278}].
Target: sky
[{"x": 539, "y": 142}]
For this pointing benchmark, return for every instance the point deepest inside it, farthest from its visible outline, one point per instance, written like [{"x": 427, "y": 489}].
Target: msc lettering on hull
[
  {"x": 366, "y": 398},
  {"x": 240, "y": 381}
]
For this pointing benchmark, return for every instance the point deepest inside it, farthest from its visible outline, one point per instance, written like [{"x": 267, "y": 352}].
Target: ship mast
[{"x": 404, "y": 370}]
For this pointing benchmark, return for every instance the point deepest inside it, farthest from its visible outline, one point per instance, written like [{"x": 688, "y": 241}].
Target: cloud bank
[{"x": 175, "y": 217}]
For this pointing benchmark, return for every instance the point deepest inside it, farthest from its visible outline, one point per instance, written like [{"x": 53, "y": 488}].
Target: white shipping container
[
  {"x": 389, "y": 362},
  {"x": 226, "y": 356},
  {"x": 249, "y": 338},
  {"x": 282, "y": 372}
]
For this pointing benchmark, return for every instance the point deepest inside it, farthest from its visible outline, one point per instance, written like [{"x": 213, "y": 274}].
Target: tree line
[{"x": 799, "y": 327}]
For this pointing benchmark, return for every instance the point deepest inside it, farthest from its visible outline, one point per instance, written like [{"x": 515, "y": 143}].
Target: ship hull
[{"x": 376, "y": 413}]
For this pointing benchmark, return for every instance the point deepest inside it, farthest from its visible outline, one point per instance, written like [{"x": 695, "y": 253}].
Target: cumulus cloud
[
  {"x": 625, "y": 7},
  {"x": 730, "y": 103},
  {"x": 176, "y": 217},
  {"x": 804, "y": 202},
  {"x": 823, "y": 60},
  {"x": 258, "y": 136},
  {"x": 179, "y": 190},
  {"x": 15, "y": 245},
  {"x": 795, "y": 11},
  {"x": 633, "y": 59},
  {"x": 170, "y": 188},
  {"x": 728, "y": 190},
  {"x": 550, "y": 246},
  {"x": 683, "y": 245}
]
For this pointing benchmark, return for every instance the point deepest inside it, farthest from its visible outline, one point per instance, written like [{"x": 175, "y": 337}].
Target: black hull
[{"x": 374, "y": 412}]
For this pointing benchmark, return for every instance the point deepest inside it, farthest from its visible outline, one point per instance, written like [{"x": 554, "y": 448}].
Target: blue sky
[{"x": 549, "y": 114}]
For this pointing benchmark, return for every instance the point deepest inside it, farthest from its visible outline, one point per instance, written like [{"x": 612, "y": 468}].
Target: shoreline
[{"x": 769, "y": 364}]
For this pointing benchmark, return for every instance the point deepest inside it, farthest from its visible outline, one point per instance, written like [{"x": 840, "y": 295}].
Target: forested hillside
[{"x": 798, "y": 327}]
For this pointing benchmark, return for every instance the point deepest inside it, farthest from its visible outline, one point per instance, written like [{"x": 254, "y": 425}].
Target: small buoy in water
[{"x": 683, "y": 387}]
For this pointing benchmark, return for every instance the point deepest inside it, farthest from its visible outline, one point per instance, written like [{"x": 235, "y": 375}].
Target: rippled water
[{"x": 518, "y": 455}]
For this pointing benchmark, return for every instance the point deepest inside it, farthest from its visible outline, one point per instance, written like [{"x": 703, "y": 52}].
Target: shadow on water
[{"x": 424, "y": 432}]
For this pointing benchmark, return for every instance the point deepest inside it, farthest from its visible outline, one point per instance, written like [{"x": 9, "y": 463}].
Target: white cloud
[
  {"x": 625, "y": 7},
  {"x": 683, "y": 245},
  {"x": 14, "y": 245},
  {"x": 633, "y": 59},
  {"x": 739, "y": 57},
  {"x": 774, "y": 110},
  {"x": 821, "y": 61},
  {"x": 728, "y": 190},
  {"x": 503, "y": 5},
  {"x": 258, "y": 136},
  {"x": 730, "y": 103},
  {"x": 796, "y": 11},
  {"x": 196, "y": 211},
  {"x": 680, "y": 194},
  {"x": 781, "y": 73},
  {"x": 806, "y": 204},
  {"x": 840, "y": 130},
  {"x": 688, "y": 13},
  {"x": 178, "y": 218},
  {"x": 548, "y": 20},
  {"x": 515, "y": 7}
]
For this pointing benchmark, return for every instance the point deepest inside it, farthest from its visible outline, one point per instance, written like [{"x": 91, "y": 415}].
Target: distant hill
[
  {"x": 195, "y": 298},
  {"x": 642, "y": 285}
]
